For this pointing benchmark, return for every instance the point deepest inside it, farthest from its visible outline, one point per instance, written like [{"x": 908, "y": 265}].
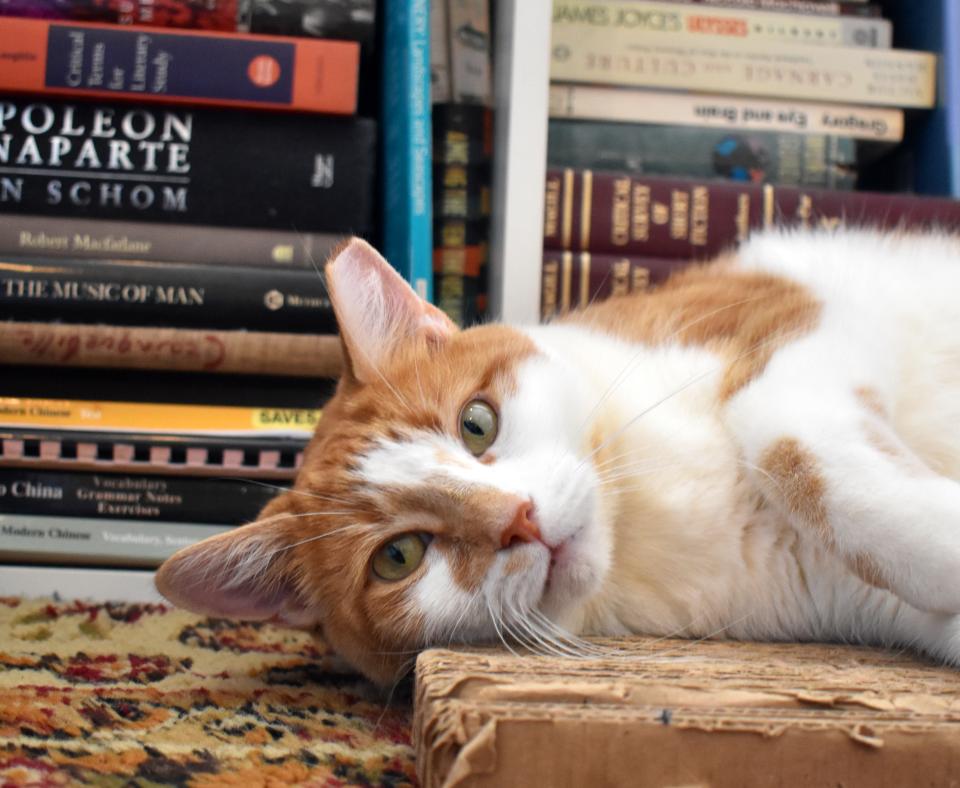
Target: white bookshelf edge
[{"x": 521, "y": 93}]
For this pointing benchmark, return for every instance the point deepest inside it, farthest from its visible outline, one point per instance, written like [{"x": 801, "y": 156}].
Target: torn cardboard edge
[{"x": 686, "y": 713}]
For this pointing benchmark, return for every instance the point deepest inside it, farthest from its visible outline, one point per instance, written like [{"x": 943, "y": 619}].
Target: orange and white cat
[{"x": 766, "y": 447}]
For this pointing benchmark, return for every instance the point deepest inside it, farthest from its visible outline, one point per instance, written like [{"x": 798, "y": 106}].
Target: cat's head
[{"x": 445, "y": 496}]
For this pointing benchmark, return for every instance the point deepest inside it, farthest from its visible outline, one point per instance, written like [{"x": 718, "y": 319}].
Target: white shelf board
[
  {"x": 521, "y": 93},
  {"x": 100, "y": 585}
]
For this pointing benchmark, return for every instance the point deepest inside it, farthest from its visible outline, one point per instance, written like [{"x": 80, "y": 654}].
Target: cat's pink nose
[{"x": 522, "y": 529}]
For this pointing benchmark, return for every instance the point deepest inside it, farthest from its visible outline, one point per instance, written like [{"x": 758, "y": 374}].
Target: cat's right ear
[{"x": 377, "y": 311}]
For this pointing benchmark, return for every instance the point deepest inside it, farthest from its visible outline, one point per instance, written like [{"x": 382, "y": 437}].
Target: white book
[{"x": 639, "y": 105}]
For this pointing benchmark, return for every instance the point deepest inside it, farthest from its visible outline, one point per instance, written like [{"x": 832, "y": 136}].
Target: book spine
[
  {"x": 349, "y": 20},
  {"x": 99, "y": 239},
  {"x": 157, "y": 417},
  {"x": 209, "y": 15},
  {"x": 171, "y": 349},
  {"x": 640, "y": 57},
  {"x": 182, "y": 388},
  {"x": 186, "y": 165},
  {"x": 816, "y": 7},
  {"x": 673, "y": 217},
  {"x": 460, "y": 255},
  {"x": 469, "y": 36},
  {"x": 406, "y": 186},
  {"x": 178, "y": 454},
  {"x": 717, "y": 23},
  {"x": 574, "y": 280},
  {"x": 96, "y": 540},
  {"x": 440, "y": 91},
  {"x": 188, "y": 67},
  {"x": 462, "y": 142},
  {"x": 461, "y": 191},
  {"x": 703, "y": 110},
  {"x": 462, "y": 134},
  {"x": 125, "y": 496},
  {"x": 166, "y": 294},
  {"x": 934, "y": 152},
  {"x": 682, "y": 151}
]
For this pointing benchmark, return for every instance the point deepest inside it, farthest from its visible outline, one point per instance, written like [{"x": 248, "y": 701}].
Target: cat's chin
[{"x": 574, "y": 576}]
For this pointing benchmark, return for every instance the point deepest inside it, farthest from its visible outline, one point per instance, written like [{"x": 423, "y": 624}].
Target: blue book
[
  {"x": 406, "y": 171},
  {"x": 934, "y": 25}
]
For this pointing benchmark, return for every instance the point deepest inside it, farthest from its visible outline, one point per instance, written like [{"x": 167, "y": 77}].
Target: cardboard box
[{"x": 683, "y": 713}]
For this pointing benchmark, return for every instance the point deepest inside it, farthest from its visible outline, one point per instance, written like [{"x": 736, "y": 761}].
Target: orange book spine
[{"x": 183, "y": 67}]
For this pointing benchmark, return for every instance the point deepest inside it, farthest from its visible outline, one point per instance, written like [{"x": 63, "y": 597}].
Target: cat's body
[{"x": 764, "y": 448}]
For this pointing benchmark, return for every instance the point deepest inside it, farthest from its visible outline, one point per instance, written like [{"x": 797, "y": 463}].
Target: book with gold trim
[{"x": 650, "y": 216}]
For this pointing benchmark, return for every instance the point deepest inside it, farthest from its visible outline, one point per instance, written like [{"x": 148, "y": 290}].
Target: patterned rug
[{"x": 143, "y": 695}]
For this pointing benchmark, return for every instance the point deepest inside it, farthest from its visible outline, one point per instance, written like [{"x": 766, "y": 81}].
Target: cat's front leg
[{"x": 828, "y": 458}]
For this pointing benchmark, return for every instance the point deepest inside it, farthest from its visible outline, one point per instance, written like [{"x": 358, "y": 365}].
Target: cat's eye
[
  {"x": 399, "y": 557},
  {"x": 478, "y": 426}
]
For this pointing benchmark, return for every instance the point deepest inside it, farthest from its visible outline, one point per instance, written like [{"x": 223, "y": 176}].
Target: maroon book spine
[
  {"x": 573, "y": 280},
  {"x": 620, "y": 214}
]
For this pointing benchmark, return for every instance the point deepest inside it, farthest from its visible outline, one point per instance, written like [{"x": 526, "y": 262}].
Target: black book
[
  {"x": 138, "y": 385},
  {"x": 351, "y": 20},
  {"x": 131, "y": 496},
  {"x": 166, "y": 294},
  {"x": 224, "y": 456},
  {"x": 286, "y": 170}
]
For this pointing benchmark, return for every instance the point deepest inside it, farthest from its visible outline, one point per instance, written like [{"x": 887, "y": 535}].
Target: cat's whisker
[
  {"x": 544, "y": 640},
  {"x": 281, "y": 489},
  {"x": 404, "y": 668},
  {"x": 317, "y": 537},
  {"x": 690, "y": 382},
  {"x": 585, "y": 646},
  {"x": 629, "y": 366},
  {"x": 463, "y": 613},
  {"x": 496, "y": 628}
]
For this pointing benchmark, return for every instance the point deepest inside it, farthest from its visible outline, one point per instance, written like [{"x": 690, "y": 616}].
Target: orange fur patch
[
  {"x": 868, "y": 570},
  {"x": 799, "y": 483},
  {"x": 744, "y": 316},
  {"x": 872, "y": 401}
]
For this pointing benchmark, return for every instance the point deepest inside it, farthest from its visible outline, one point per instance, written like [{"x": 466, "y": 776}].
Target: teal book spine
[{"x": 406, "y": 155}]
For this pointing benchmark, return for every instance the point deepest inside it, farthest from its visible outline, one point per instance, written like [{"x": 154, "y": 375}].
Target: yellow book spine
[{"x": 154, "y": 417}]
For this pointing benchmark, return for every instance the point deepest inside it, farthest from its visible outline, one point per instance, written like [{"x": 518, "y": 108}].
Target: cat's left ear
[
  {"x": 377, "y": 311},
  {"x": 244, "y": 573}
]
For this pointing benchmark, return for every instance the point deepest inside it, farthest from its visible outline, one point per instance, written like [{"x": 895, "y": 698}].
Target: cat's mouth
[{"x": 561, "y": 558}]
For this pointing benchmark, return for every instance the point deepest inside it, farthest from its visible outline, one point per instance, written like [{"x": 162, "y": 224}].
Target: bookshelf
[{"x": 521, "y": 88}]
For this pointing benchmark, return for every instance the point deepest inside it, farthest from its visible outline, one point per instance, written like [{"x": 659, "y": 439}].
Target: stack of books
[
  {"x": 677, "y": 127},
  {"x": 460, "y": 85},
  {"x": 167, "y": 199}
]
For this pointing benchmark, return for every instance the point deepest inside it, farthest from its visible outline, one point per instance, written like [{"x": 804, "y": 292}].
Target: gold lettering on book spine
[
  {"x": 700, "y": 216},
  {"x": 551, "y": 281},
  {"x": 586, "y": 205},
  {"x": 620, "y": 277},
  {"x": 567, "y": 220},
  {"x": 620, "y": 212},
  {"x": 640, "y": 214},
  {"x": 551, "y": 207},
  {"x": 640, "y": 277},
  {"x": 679, "y": 215}
]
